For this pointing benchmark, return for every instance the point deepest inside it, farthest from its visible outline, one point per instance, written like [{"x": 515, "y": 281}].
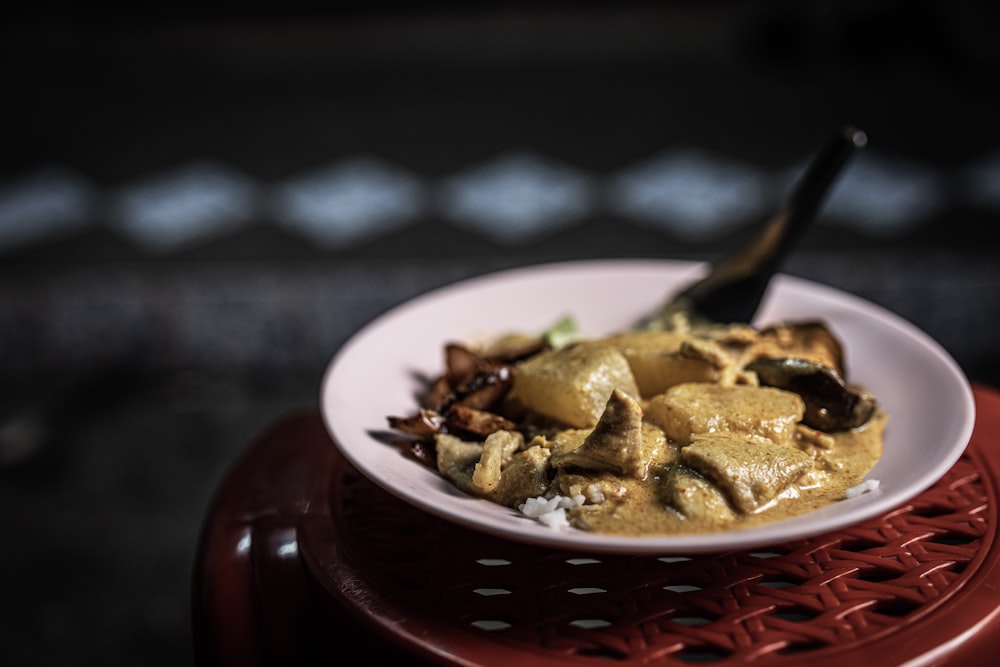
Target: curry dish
[{"x": 682, "y": 429}]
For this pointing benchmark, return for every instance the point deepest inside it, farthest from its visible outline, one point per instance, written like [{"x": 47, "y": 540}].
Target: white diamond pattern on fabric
[
  {"x": 356, "y": 199},
  {"x": 185, "y": 205},
  {"x": 516, "y": 197},
  {"x": 691, "y": 193},
  {"x": 884, "y": 195},
  {"x": 44, "y": 204}
]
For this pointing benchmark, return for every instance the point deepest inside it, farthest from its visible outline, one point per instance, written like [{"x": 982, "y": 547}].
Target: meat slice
[
  {"x": 620, "y": 443},
  {"x": 697, "y": 498},
  {"x": 751, "y": 471},
  {"x": 695, "y": 408}
]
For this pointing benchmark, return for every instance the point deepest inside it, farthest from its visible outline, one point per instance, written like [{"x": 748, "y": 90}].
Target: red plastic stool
[{"x": 302, "y": 559}]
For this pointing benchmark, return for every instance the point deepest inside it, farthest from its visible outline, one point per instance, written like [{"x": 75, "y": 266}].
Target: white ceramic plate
[{"x": 377, "y": 373}]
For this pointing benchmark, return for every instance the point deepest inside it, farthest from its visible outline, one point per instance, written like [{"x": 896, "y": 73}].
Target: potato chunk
[
  {"x": 694, "y": 408},
  {"x": 573, "y": 384},
  {"x": 657, "y": 362}
]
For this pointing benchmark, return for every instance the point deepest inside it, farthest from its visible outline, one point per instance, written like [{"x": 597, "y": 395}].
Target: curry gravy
[
  {"x": 684, "y": 431},
  {"x": 641, "y": 509}
]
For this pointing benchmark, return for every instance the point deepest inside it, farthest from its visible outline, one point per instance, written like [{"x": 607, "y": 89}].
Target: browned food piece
[
  {"x": 475, "y": 381},
  {"x": 811, "y": 340},
  {"x": 423, "y": 423},
  {"x": 484, "y": 391},
  {"x": 461, "y": 364},
  {"x": 439, "y": 396},
  {"x": 423, "y": 451},
  {"x": 478, "y": 423},
  {"x": 463, "y": 398},
  {"x": 831, "y": 405}
]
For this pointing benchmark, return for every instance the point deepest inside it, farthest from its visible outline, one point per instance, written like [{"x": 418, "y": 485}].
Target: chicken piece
[
  {"x": 522, "y": 474},
  {"x": 751, "y": 471},
  {"x": 694, "y": 408},
  {"x": 526, "y": 476},
  {"x": 498, "y": 449},
  {"x": 456, "y": 459},
  {"x": 696, "y": 498},
  {"x": 615, "y": 444},
  {"x": 572, "y": 385}
]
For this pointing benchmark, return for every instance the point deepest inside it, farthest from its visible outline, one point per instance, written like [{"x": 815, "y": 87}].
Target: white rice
[
  {"x": 551, "y": 512},
  {"x": 863, "y": 487}
]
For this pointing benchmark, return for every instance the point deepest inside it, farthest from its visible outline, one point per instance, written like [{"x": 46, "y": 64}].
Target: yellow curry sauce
[
  {"x": 645, "y": 510},
  {"x": 657, "y": 432}
]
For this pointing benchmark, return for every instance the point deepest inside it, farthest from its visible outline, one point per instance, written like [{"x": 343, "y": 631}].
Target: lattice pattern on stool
[{"x": 795, "y": 598}]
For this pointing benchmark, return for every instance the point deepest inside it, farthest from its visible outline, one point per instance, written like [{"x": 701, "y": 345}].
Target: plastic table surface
[{"x": 302, "y": 560}]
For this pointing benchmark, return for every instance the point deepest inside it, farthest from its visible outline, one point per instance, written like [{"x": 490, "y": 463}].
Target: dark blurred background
[{"x": 199, "y": 205}]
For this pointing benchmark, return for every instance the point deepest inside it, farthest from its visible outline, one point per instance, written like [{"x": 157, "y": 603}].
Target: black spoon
[{"x": 734, "y": 287}]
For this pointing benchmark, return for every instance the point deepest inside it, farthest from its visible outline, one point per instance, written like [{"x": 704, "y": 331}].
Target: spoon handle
[{"x": 734, "y": 287}]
